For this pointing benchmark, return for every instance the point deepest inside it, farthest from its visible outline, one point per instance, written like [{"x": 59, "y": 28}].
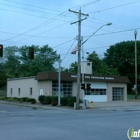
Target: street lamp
[
  {"x": 108, "y": 24},
  {"x": 79, "y": 65},
  {"x": 135, "y": 34}
]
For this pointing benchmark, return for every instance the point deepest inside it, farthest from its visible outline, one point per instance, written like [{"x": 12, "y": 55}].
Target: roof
[
  {"x": 30, "y": 77},
  {"x": 66, "y": 76}
]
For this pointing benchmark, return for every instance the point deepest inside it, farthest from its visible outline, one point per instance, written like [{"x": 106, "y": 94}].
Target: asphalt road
[{"x": 24, "y": 123}]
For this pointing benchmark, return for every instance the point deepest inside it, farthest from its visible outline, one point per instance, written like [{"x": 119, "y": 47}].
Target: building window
[
  {"x": 117, "y": 93},
  {"x": 19, "y": 91},
  {"x": 31, "y": 91},
  {"x": 66, "y": 88},
  {"x": 95, "y": 92},
  {"x": 11, "y": 91},
  {"x": 88, "y": 64}
]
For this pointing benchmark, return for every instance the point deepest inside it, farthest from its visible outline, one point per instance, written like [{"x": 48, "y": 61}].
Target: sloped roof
[{"x": 65, "y": 76}]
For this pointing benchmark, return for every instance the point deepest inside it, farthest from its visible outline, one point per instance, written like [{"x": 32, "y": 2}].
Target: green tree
[
  {"x": 44, "y": 60},
  {"x": 122, "y": 57},
  {"x": 72, "y": 68},
  {"x": 11, "y": 61},
  {"x": 100, "y": 67}
]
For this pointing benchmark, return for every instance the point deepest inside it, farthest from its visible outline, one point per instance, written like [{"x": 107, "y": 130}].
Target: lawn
[{"x": 132, "y": 96}]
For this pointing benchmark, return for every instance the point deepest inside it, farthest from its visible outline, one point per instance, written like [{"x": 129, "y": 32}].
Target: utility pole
[
  {"x": 79, "y": 53},
  {"x": 136, "y": 87},
  {"x": 59, "y": 81}
]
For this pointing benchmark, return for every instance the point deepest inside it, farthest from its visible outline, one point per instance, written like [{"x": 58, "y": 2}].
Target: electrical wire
[
  {"x": 68, "y": 50},
  {"x": 26, "y": 9},
  {"x": 116, "y": 6},
  {"x": 32, "y": 6},
  {"x": 62, "y": 43},
  {"x": 118, "y": 32}
]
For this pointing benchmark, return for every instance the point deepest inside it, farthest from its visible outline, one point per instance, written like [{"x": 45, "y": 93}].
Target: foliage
[
  {"x": 54, "y": 100},
  {"x": 41, "y": 98},
  {"x": 48, "y": 100},
  {"x": 100, "y": 67},
  {"x": 2, "y": 98},
  {"x": 16, "y": 62},
  {"x": 25, "y": 99},
  {"x": 31, "y": 100},
  {"x": 71, "y": 101},
  {"x": 122, "y": 57},
  {"x": 64, "y": 101}
]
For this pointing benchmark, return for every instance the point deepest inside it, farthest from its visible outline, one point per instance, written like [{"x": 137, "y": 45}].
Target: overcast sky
[{"x": 41, "y": 22}]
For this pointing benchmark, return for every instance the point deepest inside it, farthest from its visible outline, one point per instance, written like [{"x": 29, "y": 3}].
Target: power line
[
  {"x": 32, "y": 6},
  {"x": 116, "y": 6},
  {"x": 86, "y": 4},
  {"x": 26, "y": 8},
  {"x": 36, "y": 36},
  {"x": 34, "y": 28},
  {"x": 118, "y": 31},
  {"x": 68, "y": 50},
  {"x": 63, "y": 43}
]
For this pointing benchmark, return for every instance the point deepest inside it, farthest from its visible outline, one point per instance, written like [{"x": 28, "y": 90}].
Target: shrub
[
  {"x": 71, "y": 101},
  {"x": 16, "y": 99},
  {"x": 21, "y": 100},
  {"x": 33, "y": 101},
  {"x": 48, "y": 99},
  {"x": 2, "y": 98},
  {"x": 10, "y": 99},
  {"x": 54, "y": 100},
  {"x": 25, "y": 99},
  {"x": 41, "y": 98},
  {"x": 64, "y": 101}
]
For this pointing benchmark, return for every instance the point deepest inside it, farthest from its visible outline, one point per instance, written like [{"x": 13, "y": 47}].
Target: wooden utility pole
[
  {"x": 136, "y": 85},
  {"x": 79, "y": 53}
]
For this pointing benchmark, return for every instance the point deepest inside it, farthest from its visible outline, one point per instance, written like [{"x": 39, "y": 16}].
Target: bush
[
  {"x": 25, "y": 99},
  {"x": 16, "y": 99},
  {"x": 41, "y": 98},
  {"x": 71, "y": 101},
  {"x": 54, "y": 100},
  {"x": 21, "y": 100},
  {"x": 48, "y": 99},
  {"x": 33, "y": 101},
  {"x": 64, "y": 101},
  {"x": 10, "y": 99},
  {"x": 2, "y": 98}
]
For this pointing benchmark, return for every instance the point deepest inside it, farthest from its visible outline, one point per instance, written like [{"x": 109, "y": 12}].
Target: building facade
[{"x": 103, "y": 88}]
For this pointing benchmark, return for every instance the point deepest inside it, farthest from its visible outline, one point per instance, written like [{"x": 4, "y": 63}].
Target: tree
[
  {"x": 16, "y": 62},
  {"x": 100, "y": 67},
  {"x": 122, "y": 57},
  {"x": 44, "y": 60},
  {"x": 72, "y": 68}
]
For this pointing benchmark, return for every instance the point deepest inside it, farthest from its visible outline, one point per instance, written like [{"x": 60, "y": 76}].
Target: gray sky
[{"x": 40, "y": 22}]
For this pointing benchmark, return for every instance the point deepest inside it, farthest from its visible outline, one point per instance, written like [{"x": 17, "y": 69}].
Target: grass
[{"x": 132, "y": 96}]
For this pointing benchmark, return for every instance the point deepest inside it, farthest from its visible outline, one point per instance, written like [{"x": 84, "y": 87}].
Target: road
[{"x": 24, "y": 123}]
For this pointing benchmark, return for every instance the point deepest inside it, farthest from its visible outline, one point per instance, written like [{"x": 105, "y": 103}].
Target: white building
[{"x": 103, "y": 88}]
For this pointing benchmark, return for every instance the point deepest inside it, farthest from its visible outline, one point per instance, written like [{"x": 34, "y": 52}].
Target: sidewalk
[{"x": 131, "y": 105}]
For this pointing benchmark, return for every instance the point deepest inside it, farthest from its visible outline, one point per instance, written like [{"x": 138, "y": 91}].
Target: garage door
[{"x": 117, "y": 94}]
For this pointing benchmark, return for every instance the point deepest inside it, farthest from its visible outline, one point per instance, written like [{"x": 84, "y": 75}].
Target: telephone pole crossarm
[
  {"x": 78, "y": 21},
  {"x": 78, "y": 13}
]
